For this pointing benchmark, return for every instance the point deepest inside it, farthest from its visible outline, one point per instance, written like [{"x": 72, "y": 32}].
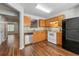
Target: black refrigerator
[{"x": 70, "y": 34}]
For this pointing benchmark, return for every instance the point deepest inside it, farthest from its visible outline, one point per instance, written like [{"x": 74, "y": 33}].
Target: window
[{"x": 11, "y": 27}]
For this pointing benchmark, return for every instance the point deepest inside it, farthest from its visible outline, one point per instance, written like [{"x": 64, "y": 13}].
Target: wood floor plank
[
  {"x": 48, "y": 49},
  {"x": 39, "y": 49}
]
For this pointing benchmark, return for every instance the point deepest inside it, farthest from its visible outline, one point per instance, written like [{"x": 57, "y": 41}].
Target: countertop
[{"x": 31, "y": 31}]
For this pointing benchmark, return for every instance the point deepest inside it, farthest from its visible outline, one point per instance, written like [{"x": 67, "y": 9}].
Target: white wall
[
  {"x": 6, "y": 10},
  {"x": 21, "y": 16},
  {"x": 33, "y": 16},
  {"x": 70, "y": 13}
]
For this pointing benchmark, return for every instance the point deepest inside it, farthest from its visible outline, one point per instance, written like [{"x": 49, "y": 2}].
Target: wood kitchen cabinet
[
  {"x": 55, "y": 22},
  {"x": 47, "y": 23},
  {"x": 42, "y": 23},
  {"x": 51, "y": 23},
  {"x": 59, "y": 38},
  {"x": 39, "y": 36},
  {"x": 27, "y": 21}
]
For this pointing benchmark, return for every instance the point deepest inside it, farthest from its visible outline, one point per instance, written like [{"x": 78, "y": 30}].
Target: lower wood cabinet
[
  {"x": 59, "y": 38},
  {"x": 39, "y": 36}
]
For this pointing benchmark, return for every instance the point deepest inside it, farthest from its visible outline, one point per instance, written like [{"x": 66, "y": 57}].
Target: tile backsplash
[{"x": 28, "y": 29}]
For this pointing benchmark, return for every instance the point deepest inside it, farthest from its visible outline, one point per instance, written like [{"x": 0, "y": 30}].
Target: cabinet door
[
  {"x": 27, "y": 21},
  {"x": 42, "y": 23},
  {"x": 39, "y": 36},
  {"x": 59, "y": 38},
  {"x": 55, "y": 22},
  {"x": 47, "y": 23}
]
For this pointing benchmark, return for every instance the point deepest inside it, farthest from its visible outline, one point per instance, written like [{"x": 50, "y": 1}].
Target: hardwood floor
[
  {"x": 10, "y": 48},
  {"x": 46, "y": 49},
  {"x": 39, "y": 49}
]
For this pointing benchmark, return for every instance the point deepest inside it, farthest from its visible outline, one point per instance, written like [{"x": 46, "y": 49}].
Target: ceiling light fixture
[{"x": 42, "y": 8}]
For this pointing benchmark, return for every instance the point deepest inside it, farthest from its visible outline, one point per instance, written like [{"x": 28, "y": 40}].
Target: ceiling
[
  {"x": 29, "y": 8},
  {"x": 6, "y": 7}
]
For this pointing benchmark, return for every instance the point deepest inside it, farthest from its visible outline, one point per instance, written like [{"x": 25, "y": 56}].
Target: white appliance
[
  {"x": 52, "y": 37},
  {"x": 28, "y": 39}
]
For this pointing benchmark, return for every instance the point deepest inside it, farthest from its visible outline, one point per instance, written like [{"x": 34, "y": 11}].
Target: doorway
[{"x": 9, "y": 34}]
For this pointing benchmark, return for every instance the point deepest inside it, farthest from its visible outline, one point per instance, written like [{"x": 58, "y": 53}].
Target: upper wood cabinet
[
  {"x": 55, "y": 22},
  {"x": 27, "y": 21},
  {"x": 47, "y": 23},
  {"x": 42, "y": 23}
]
